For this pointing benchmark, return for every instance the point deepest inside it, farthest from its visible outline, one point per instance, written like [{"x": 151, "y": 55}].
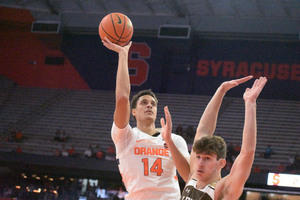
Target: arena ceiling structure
[{"x": 210, "y": 18}]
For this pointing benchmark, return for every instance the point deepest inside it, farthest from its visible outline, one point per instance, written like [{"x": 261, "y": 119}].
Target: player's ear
[
  {"x": 133, "y": 112},
  {"x": 222, "y": 163}
]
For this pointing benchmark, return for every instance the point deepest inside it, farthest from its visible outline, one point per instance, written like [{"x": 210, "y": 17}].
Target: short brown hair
[
  {"x": 136, "y": 97},
  {"x": 211, "y": 145}
]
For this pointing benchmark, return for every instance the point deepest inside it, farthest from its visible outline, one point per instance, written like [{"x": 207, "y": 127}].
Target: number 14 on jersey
[{"x": 155, "y": 168}]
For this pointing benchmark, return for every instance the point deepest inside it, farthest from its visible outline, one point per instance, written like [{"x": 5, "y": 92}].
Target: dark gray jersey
[{"x": 190, "y": 192}]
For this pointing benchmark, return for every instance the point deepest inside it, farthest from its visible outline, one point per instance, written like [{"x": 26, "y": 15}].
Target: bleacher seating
[{"x": 87, "y": 116}]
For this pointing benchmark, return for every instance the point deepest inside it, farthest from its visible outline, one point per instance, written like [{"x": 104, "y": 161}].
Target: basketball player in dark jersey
[{"x": 209, "y": 152}]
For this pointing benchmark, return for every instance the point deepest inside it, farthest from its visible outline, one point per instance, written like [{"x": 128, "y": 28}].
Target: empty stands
[{"x": 87, "y": 117}]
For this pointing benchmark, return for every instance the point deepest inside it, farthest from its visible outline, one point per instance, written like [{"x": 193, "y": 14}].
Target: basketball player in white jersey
[
  {"x": 209, "y": 152},
  {"x": 146, "y": 163}
]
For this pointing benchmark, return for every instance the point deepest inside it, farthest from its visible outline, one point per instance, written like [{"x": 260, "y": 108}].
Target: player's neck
[
  {"x": 147, "y": 128},
  {"x": 212, "y": 181}
]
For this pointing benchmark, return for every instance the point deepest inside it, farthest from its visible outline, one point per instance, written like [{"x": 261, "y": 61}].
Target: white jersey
[{"x": 146, "y": 164}]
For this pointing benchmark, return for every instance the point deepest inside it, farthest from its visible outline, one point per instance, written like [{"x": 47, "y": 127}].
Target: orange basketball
[{"x": 117, "y": 27}]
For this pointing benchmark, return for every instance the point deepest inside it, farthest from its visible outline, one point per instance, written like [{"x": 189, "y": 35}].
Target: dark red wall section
[{"x": 23, "y": 54}]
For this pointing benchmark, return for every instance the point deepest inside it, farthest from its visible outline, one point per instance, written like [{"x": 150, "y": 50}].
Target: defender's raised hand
[
  {"x": 227, "y": 85},
  {"x": 251, "y": 94},
  {"x": 166, "y": 128}
]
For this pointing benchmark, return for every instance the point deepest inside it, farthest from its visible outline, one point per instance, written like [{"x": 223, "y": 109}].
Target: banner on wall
[
  {"x": 170, "y": 66},
  {"x": 219, "y": 60},
  {"x": 98, "y": 65}
]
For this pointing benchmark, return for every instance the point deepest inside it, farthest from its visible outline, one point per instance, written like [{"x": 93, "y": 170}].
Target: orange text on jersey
[{"x": 151, "y": 151}]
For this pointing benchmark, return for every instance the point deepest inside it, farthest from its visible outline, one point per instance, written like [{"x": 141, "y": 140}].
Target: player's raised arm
[
  {"x": 208, "y": 121},
  {"x": 122, "y": 108},
  {"x": 240, "y": 171}
]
